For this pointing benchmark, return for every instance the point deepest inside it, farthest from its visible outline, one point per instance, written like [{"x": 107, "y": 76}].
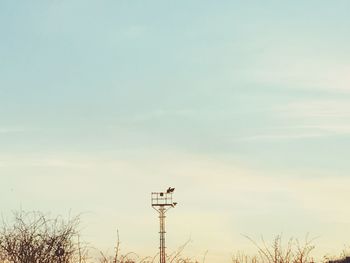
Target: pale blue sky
[{"x": 243, "y": 106}]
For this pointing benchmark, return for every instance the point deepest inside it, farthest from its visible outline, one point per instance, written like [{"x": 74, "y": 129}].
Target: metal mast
[{"x": 162, "y": 202}]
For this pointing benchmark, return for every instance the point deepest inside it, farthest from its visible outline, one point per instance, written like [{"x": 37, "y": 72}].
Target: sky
[{"x": 242, "y": 106}]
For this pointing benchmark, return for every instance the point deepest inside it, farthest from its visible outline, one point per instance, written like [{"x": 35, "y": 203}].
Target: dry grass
[
  {"x": 132, "y": 257},
  {"x": 277, "y": 252}
]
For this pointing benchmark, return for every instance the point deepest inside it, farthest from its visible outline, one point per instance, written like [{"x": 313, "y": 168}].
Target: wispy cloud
[
  {"x": 268, "y": 137},
  {"x": 4, "y": 130},
  {"x": 303, "y": 66},
  {"x": 162, "y": 113},
  {"x": 17, "y": 129},
  {"x": 310, "y": 75},
  {"x": 307, "y": 118},
  {"x": 317, "y": 108},
  {"x": 299, "y": 132}
]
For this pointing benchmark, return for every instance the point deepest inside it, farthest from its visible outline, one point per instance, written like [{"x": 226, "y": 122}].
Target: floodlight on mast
[{"x": 162, "y": 202}]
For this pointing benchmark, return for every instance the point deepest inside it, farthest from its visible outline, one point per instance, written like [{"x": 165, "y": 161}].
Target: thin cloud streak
[
  {"x": 6, "y": 130},
  {"x": 321, "y": 108},
  {"x": 298, "y": 132},
  {"x": 268, "y": 137},
  {"x": 305, "y": 119}
]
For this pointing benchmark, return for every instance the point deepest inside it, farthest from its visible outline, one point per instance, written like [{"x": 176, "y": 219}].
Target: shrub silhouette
[{"x": 35, "y": 238}]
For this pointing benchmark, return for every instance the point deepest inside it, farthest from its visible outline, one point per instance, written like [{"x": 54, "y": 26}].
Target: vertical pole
[{"x": 162, "y": 234}]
